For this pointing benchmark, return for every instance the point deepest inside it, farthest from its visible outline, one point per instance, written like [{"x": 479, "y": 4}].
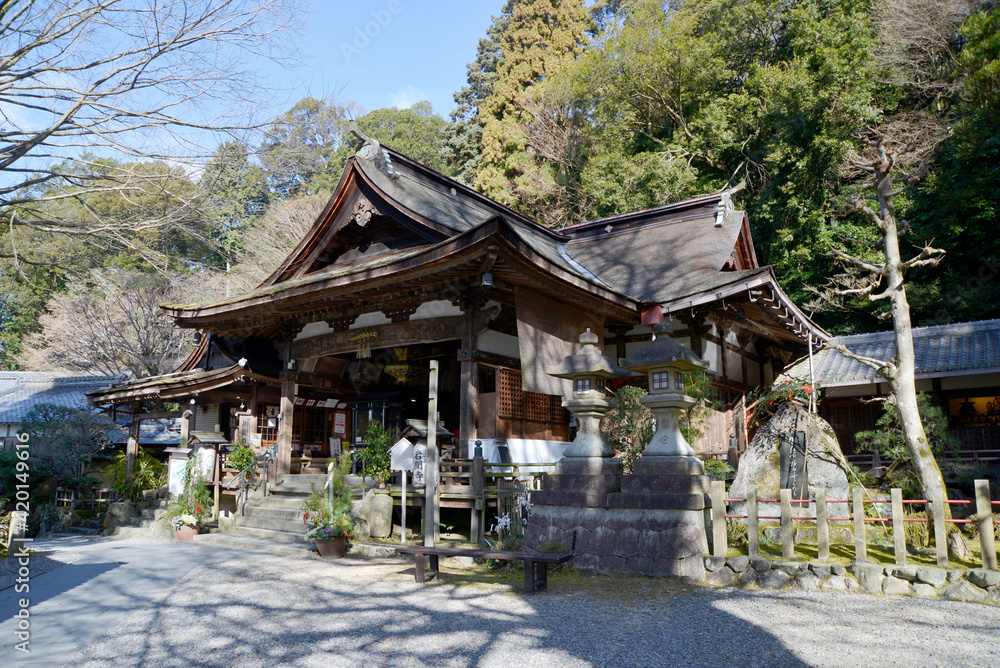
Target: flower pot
[
  {"x": 186, "y": 532},
  {"x": 334, "y": 547}
]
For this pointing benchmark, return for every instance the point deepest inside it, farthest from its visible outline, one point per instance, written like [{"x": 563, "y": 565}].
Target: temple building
[{"x": 405, "y": 265}]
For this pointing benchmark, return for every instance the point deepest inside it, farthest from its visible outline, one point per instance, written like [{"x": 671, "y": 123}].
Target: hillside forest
[{"x": 572, "y": 111}]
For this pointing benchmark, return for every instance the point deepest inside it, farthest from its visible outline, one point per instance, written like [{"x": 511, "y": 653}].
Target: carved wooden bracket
[
  {"x": 413, "y": 332},
  {"x": 363, "y": 212}
]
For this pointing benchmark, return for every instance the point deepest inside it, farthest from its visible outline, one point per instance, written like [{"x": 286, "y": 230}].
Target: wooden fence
[{"x": 855, "y": 514}]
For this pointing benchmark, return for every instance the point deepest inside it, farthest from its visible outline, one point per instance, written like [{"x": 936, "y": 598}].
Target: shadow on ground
[{"x": 276, "y": 612}]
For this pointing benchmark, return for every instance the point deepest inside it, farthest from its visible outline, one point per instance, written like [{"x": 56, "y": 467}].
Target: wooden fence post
[
  {"x": 898, "y": 530},
  {"x": 822, "y": 526},
  {"x": 753, "y": 531},
  {"x": 984, "y": 513},
  {"x": 719, "y": 547},
  {"x": 860, "y": 539},
  {"x": 787, "y": 542},
  {"x": 940, "y": 532},
  {"x": 479, "y": 502}
]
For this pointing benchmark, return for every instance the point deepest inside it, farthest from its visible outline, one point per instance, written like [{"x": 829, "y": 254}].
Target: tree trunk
[{"x": 901, "y": 375}]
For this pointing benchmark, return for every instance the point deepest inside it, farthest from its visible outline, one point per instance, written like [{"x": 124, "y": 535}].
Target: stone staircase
[{"x": 274, "y": 522}]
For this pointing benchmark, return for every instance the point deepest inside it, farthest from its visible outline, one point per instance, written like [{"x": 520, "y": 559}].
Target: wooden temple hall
[{"x": 405, "y": 265}]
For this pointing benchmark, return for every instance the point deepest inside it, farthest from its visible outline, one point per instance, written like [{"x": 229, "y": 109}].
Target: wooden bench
[{"x": 536, "y": 564}]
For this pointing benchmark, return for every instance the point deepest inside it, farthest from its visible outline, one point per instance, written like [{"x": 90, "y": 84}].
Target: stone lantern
[
  {"x": 665, "y": 362},
  {"x": 588, "y": 370}
]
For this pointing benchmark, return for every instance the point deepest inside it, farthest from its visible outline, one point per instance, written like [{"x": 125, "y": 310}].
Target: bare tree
[
  {"x": 919, "y": 44},
  {"x": 114, "y": 324},
  {"x": 890, "y": 174},
  {"x": 265, "y": 246},
  {"x": 134, "y": 80}
]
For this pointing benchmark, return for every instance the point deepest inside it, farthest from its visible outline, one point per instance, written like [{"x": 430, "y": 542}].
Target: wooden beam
[{"x": 394, "y": 335}]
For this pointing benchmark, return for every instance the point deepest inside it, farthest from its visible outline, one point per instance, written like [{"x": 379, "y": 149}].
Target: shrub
[
  {"x": 240, "y": 457},
  {"x": 327, "y": 512},
  {"x": 147, "y": 473},
  {"x": 718, "y": 468},
  {"x": 376, "y": 456}
]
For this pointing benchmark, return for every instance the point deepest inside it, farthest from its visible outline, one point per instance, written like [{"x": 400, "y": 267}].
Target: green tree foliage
[
  {"x": 299, "y": 143},
  {"x": 628, "y": 426},
  {"x": 64, "y": 441},
  {"x": 238, "y": 194},
  {"x": 147, "y": 473},
  {"x": 464, "y": 134},
  {"x": 887, "y": 437},
  {"x": 958, "y": 204},
  {"x": 538, "y": 39}
]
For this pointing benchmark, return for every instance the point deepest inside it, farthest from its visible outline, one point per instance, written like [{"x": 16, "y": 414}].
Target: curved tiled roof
[
  {"x": 21, "y": 391},
  {"x": 939, "y": 350}
]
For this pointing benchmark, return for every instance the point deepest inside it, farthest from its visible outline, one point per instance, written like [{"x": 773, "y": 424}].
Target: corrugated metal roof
[
  {"x": 939, "y": 350},
  {"x": 21, "y": 391}
]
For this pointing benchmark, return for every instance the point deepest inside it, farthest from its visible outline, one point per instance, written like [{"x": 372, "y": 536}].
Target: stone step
[
  {"x": 83, "y": 530},
  {"x": 271, "y": 524},
  {"x": 274, "y": 513},
  {"x": 299, "y": 549},
  {"x": 277, "y": 501},
  {"x": 281, "y": 536}
]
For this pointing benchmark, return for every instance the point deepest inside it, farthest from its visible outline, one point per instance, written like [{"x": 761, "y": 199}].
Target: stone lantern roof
[
  {"x": 588, "y": 362},
  {"x": 663, "y": 352}
]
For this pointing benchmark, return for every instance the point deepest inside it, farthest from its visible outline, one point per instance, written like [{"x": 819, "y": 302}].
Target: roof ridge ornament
[{"x": 372, "y": 150}]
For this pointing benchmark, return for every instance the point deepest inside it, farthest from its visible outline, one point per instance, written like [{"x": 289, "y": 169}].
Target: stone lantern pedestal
[{"x": 651, "y": 522}]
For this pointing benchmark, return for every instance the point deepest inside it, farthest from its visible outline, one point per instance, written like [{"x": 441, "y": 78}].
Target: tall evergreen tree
[
  {"x": 464, "y": 134},
  {"x": 539, "y": 39}
]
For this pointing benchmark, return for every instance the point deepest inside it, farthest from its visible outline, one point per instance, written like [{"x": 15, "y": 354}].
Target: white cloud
[{"x": 407, "y": 97}]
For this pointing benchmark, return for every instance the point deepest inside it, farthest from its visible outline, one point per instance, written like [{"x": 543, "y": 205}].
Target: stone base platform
[{"x": 648, "y": 541}]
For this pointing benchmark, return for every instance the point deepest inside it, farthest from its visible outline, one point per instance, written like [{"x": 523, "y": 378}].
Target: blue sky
[{"x": 384, "y": 53}]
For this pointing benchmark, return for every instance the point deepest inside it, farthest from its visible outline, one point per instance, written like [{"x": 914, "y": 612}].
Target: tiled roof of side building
[
  {"x": 22, "y": 391},
  {"x": 939, "y": 350}
]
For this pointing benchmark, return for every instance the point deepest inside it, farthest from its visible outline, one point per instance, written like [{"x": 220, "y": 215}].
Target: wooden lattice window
[
  {"x": 511, "y": 396},
  {"x": 265, "y": 412},
  {"x": 315, "y": 428},
  {"x": 538, "y": 407}
]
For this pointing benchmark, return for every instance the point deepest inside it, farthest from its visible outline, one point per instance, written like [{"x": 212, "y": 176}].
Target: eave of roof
[
  {"x": 941, "y": 351},
  {"x": 525, "y": 241},
  {"x": 177, "y": 384}
]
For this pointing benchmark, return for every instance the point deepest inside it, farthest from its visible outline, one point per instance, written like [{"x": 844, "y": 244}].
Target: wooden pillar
[
  {"x": 479, "y": 504},
  {"x": 132, "y": 447},
  {"x": 469, "y": 386},
  {"x": 753, "y": 527},
  {"x": 432, "y": 511},
  {"x": 284, "y": 460}
]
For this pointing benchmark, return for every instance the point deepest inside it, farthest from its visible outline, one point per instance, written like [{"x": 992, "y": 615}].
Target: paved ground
[{"x": 185, "y": 606}]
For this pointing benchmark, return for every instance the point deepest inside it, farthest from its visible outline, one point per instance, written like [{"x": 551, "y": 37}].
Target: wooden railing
[{"x": 855, "y": 514}]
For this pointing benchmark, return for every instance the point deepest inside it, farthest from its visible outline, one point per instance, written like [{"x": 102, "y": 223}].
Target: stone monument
[{"x": 652, "y": 522}]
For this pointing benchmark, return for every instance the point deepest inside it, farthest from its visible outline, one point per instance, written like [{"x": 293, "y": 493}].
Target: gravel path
[{"x": 273, "y": 611}]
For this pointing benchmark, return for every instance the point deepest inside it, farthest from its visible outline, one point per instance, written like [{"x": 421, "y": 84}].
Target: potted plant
[
  {"x": 327, "y": 512},
  {"x": 189, "y": 507},
  {"x": 186, "y": 526},
  {"x": 331, "y": 535}
]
